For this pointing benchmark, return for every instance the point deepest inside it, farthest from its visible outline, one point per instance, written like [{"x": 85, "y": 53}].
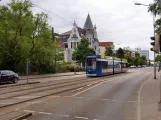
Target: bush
[{"x": 70, "y": 67}]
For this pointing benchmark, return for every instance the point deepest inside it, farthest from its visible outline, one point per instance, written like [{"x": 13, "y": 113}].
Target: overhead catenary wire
[{"x": 52, "y": 13}]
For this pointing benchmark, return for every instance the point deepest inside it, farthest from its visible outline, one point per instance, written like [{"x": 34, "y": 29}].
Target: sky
[{"x": 118, "y": 21}]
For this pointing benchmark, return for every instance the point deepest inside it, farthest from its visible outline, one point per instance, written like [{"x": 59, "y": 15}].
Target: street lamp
[
  {"x": 154, "y": 35},
  {"x": 140, "y": 4}
]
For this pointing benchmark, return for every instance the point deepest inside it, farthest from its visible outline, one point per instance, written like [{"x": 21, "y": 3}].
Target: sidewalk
[
  {"x": 149, "y": 98},
  {"x": 51, "y": 75}
]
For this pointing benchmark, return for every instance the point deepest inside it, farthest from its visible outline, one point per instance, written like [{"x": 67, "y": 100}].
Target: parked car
[
  {"x": 133, "y": 66},
  {"x": 7, "y": 76}
]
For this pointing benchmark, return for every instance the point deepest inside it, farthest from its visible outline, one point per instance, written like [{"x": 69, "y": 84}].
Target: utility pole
[
  {"x": 53, "y": 39},
  {"x": 75, "y": 58},
  {"x": 154, "y": 52},
  {"x": 154, "y": 34}
]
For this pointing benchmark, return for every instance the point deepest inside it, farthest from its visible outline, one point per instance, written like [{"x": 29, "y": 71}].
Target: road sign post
[{"x": 27, "y": 70}]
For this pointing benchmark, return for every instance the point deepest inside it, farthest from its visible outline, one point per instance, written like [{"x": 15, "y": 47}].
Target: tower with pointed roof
[
  {"x": 71, "y": 39},
  {"x": 91, "y": 34}
]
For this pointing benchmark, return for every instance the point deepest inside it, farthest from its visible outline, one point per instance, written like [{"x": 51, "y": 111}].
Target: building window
[
  {"x": 66, "y": 46},
  {"x": 95, "y": 47},
  {"x": 77, "y": 43},
  {"x": 71, "y": 44}
]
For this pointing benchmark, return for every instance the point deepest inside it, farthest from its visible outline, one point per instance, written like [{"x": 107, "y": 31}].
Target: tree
[
  {"x": 120, "y": 53},
  {"x": 25, "y": 36},
  {"x": 158, "y": 58},
  {"x": 142, "y": 61},
  {"x": 109, "y": 51},
  {"x": 82, "y": 51},
  {"x": 155, "y": 9}
]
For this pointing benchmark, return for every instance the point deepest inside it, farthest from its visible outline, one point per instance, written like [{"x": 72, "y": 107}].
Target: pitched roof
[
  {"x": 88, "y": 24},
  {"x": 80, "y": 30},
  {"x": 66, "y": 33},
  {"x": 105, "y": 44}
]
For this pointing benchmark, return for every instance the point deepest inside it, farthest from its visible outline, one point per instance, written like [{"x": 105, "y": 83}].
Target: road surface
[{"x": 103, "y": 98}]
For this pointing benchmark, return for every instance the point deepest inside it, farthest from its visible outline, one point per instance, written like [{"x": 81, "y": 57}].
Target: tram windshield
[{"x": 91, "y": 63}]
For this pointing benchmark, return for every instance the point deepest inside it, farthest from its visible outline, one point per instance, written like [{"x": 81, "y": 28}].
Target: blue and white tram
[{"x": 95, "y": 66}]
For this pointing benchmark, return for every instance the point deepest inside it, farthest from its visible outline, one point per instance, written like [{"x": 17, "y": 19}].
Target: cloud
[{"x": 119, "y": 21}]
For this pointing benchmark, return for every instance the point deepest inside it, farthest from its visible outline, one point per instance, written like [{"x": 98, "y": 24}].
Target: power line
[{"x": 52, "y": 13}]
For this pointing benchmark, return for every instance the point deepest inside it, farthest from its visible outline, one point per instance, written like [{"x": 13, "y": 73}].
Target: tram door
[{"x": 98, "y": 68}]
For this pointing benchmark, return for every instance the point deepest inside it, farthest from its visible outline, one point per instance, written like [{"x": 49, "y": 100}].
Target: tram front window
[{"x": 91, "y": 63}]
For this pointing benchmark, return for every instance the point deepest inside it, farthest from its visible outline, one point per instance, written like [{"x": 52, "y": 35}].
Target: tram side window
[
  {"x": 91, "y": 63},
  {"x": 104, "y": 65}
]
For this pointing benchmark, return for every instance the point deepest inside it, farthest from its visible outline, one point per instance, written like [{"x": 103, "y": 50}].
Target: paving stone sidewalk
[{"x": 149, "y": 98}]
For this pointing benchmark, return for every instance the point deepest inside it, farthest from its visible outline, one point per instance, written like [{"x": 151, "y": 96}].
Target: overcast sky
[{"x": 119, "y": 21}]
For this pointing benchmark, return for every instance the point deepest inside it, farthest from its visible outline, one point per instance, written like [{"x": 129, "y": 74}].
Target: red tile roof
[
  {"x": 66, "y": 33},
  {"x": 80, "y": 30},
  {"x": 105, "y": 44},
  {"x": 62, "y": 41}
]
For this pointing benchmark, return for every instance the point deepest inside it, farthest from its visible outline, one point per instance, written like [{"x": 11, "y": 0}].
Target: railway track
[{"x": 19, "y": 95}]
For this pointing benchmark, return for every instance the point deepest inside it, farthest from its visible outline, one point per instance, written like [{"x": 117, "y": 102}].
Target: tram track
[
  {"x": 42, "y": 93},
  {"x": 46, "y": 84}
]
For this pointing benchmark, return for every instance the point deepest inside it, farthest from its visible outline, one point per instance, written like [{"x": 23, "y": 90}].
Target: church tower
[{"x": 91, "y": 34}]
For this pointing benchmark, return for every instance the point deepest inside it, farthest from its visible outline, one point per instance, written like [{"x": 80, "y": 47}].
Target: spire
[
  {"x": 74, "y": 24},
  {"x": 88, "y": 24},
  {"x": 95, "y": 27}
]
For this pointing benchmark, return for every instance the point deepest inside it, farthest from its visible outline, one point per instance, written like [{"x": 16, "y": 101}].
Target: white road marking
[
  {"x": 80, "y": 88},
  {"x": 105, "y": 99},
  {"x": 78, "y": 97},
  {"x": 89, "y": 88},
  {"x": 81, "y": 117},
  {"x": 28, "y": 111},
  {"x": 62, "y": 115},
  {"x": 45, "y": 113},
  {"x": 89, "y": 85},
  {"x": 36, "y": 102},
  {"x": 68, "y": 96},
  {"x": 131, "y": 101},
  {"x": 114, "y": 100},
  {"x": 138, "y": 107}
]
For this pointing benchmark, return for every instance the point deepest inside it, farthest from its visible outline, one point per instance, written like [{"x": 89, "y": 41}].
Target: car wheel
[{"x": 15, "y": 80}]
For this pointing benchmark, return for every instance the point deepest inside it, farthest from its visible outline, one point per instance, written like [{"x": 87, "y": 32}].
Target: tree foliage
[
  {"x": 26, "y": 37},
  {"x": 82, "y": 51},
  {"x": 155, "y": 9},
  {"x": 120, "y": 53},
  {"x": 158, "y": 58},
  {"x": 109, "y": 51}
]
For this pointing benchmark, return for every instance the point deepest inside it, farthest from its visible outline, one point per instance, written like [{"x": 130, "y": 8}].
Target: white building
[
  {"x": 71, "y": 39},
  {"x": 143, "y": 52}
]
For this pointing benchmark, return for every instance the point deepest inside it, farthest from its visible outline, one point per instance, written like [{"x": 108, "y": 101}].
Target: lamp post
[{"x": 154, "y": 35}]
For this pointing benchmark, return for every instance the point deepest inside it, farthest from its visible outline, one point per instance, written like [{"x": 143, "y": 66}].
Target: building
[
  {"x": 143, "y": 53},
  {"x": 132, "y": 53},
  {"x": 70, "y": 39},
  {"x": 102, "y": 47}
]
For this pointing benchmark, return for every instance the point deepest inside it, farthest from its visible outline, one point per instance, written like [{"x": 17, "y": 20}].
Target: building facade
[
  {"x": 70, "y": 39},
  {"x": 143, "y": 53},
  {"x": 102, "y": 47}
]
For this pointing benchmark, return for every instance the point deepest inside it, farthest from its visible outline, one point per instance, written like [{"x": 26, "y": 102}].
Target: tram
[{"x": 96, "y": 66}]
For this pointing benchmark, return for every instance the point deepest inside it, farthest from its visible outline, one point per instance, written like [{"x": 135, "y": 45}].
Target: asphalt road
[{"x": 104, "y": 98}]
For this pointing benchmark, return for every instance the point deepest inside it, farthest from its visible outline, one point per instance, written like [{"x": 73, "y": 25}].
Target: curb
[{"x": 21, "y": 117}]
